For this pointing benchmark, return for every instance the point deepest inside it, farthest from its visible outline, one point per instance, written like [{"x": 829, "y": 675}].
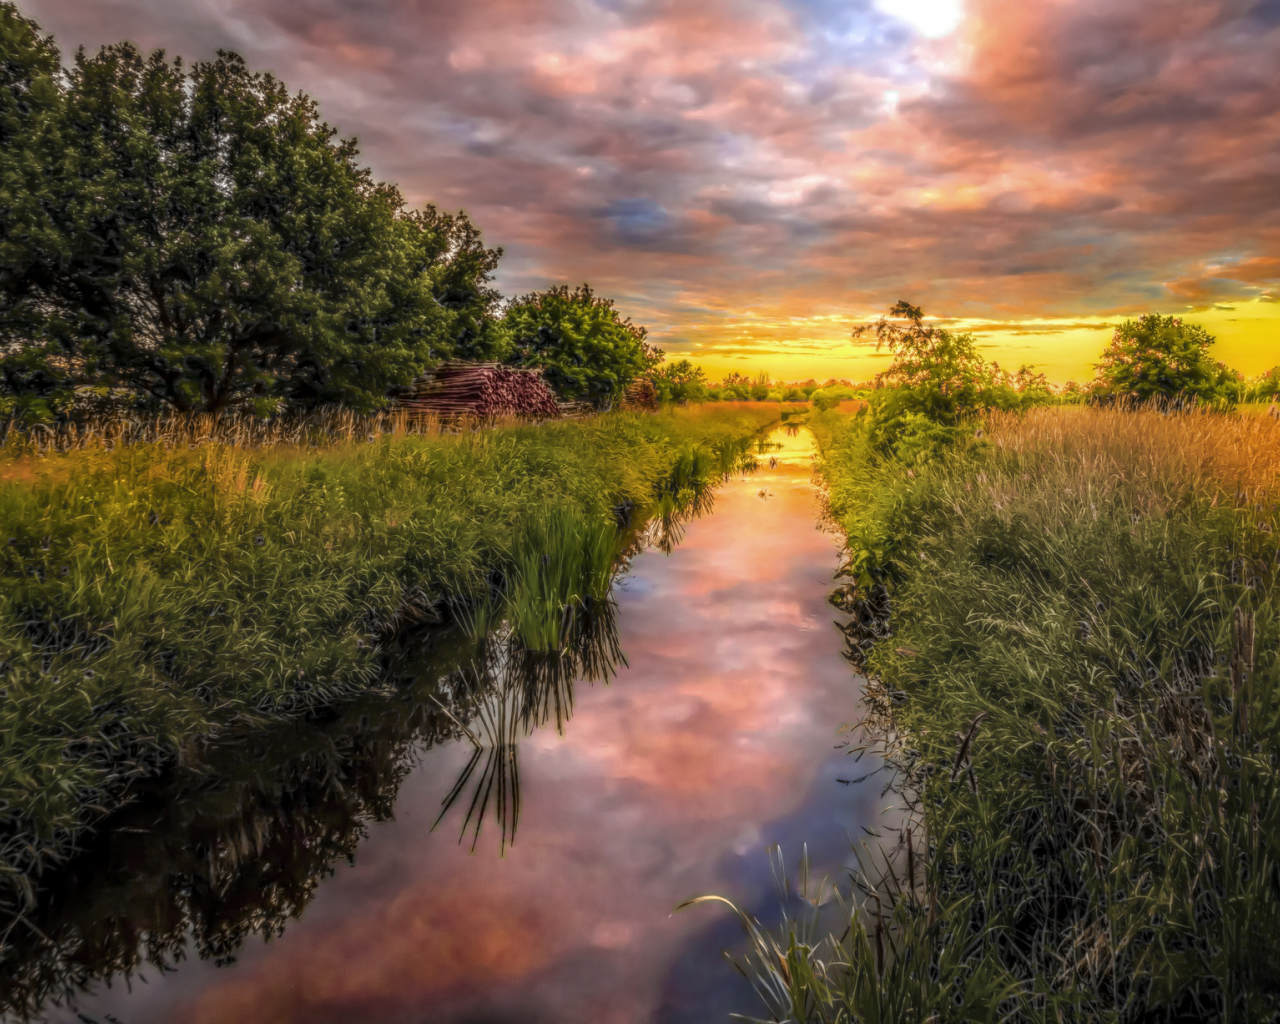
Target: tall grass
[
  {"x": 1081, "y": 692},
  {"x": 155, "y": 590}
]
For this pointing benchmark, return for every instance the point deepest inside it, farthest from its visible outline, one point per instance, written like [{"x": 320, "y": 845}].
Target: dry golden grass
[
  {"x": 177, "y": 430},
  {"x": 1235, "y": 457}
]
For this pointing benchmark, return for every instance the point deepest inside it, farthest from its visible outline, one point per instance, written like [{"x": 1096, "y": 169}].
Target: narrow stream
[{"x": 715, "y": 739}]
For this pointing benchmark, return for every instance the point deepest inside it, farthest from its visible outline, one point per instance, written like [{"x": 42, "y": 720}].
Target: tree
[
  {"x": 1163, "y": 357},
  {"x": 586, "y": 349},
  {"x": 943, "y": 369},
  {"x": 201, "y": 239},
  {"x": 936, "y": 379},
  {"x": 679, "y": 381}
]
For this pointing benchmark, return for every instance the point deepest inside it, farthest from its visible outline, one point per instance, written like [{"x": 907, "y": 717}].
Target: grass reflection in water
[
  {"x": 237, "y": 841},
  {"x": 238, "y": 844}
]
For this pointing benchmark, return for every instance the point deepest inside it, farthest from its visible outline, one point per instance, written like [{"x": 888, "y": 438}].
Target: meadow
[
  {"x": 166, "y": 581},
  {"x": 1069, "y": 626}
]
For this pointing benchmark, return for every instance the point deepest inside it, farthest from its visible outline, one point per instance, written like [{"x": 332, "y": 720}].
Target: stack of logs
[
  {"x": 640, "y": 394},
  {"x": 483, "y": 391}
]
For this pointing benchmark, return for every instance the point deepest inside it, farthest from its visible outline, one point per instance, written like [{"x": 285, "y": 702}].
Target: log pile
[
  {"x": 483, "y": 391},
  {"x": 640, "y": 394},
  {"x": 576, "y": 409}
]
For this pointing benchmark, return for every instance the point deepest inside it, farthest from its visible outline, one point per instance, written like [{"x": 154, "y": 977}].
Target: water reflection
[
  {"x": 510, "y": 691},
  {"x": 238, "y": 843},
  {"x": 713, "y": 742}
]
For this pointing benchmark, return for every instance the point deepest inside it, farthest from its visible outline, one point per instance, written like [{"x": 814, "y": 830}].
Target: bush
[{"x": 829, "y": 397}]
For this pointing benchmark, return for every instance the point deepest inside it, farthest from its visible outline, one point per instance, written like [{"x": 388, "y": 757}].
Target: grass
[
  {"x": 169, "y": 580},
  {"x": 1080, "y": 692}
]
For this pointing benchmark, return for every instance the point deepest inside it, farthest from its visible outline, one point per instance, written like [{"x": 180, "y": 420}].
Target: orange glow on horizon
[{"x": 797, "y": 348}]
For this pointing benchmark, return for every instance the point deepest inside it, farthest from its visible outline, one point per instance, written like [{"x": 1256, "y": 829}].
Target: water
[{"x": 718, "y": 737}]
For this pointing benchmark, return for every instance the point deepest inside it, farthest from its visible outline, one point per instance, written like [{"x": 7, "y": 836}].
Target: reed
[
  {"x": 164, "y": 582},
  {"x": 1080, "y": 692}
]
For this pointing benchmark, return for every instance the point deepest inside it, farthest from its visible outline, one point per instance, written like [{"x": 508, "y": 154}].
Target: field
[
  {"x": 1077, "y": 682},
  {"x": 161, "y": 586}
]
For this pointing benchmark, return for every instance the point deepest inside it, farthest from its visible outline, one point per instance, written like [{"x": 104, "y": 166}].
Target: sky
[{"x": 752, "y": 178}]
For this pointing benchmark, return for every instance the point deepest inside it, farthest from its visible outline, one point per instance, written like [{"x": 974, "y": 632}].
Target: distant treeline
[
  {"x": 196, "y": 238},
  {"x": 941, "y": 374}
]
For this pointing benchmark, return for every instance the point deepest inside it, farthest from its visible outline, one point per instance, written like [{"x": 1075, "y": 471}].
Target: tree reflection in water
[{"x": 237, "y": 842}]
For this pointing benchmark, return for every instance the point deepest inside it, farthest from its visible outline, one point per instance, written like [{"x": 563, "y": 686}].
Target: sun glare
[{"x": 931, "y": 18}]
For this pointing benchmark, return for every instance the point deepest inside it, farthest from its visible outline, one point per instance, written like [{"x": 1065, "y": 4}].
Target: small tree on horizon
[
  {"x": 937, "y": 377},
  {"x": 679, "y": 381},
  {"x": 1163, "y": 357}
]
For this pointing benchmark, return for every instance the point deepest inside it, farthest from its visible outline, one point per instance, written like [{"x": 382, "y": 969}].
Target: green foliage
[
  {"x": 1262, "y": 388},
  {"x": 922, "y": 439},
  {"x": 1112, "y": 855},
  {"x": 903, "y": 967},
  {"x": 564, "y": 564},
  {"x": 679, "y": 381},
  {"x": 201, "y": 239},
  {"x": 153, "y": 593},
  {"x": 939, "y": 376},
  {"x": 586, "y": 349},
  {"x": 829, "y": 396},
  {"x": 1163, "y": 357}
]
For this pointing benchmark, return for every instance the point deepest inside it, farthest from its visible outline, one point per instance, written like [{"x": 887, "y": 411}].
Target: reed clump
[
  {"x": 1080, "y": 691},
  {"x": 166, "y": 581}
]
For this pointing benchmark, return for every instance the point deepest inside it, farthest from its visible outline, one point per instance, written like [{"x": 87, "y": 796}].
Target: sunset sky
[{"x": 750, "y": 178}]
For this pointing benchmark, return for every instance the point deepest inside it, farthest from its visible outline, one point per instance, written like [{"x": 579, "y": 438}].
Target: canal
[{"x": 326, "y": 875}]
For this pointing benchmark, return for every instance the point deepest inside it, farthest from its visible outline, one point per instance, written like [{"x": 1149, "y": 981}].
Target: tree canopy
[
  {"x": 679, "y": 381},
  {"x": 586, "y": 349},
  {"x": 199, "y": 238},
  {"x": 1162, "y": 357},
  {"x": 937, "y": 377}
]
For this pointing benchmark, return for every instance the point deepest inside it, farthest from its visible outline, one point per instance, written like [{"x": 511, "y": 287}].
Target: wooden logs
[{"x": 482, "y": 391}]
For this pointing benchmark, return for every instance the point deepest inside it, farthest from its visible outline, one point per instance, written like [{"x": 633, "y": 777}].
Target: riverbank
[
  {"x": 154, "y": 594},
  {"x": 492, "y": 834},
  {"x": 1082, "y": 676}
]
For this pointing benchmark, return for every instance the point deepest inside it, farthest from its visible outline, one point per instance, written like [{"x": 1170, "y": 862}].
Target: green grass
[
  {"x": 1084, "y": 724},
  {"x": 154, "y": 593}
]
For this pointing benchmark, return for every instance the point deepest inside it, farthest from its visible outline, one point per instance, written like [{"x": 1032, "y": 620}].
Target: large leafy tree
[
  {"x": 200, "y": 238},
  {"x": 587, "y": 350},
  {"x": 1163, "y": 357}
]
